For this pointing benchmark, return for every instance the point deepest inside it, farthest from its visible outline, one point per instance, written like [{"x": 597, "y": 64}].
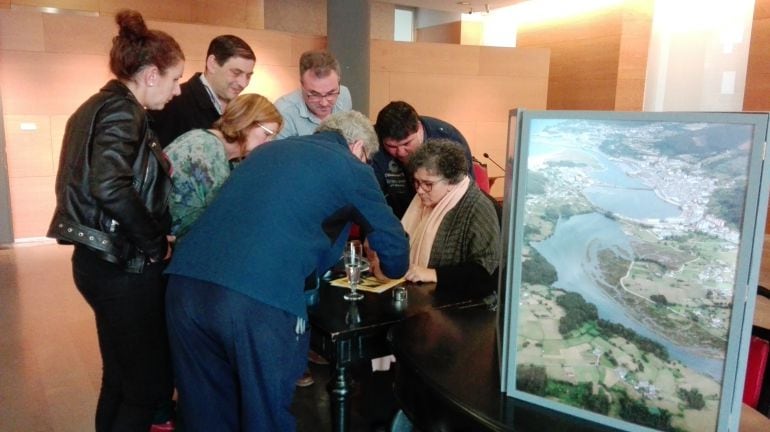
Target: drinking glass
[{"x": 355, "y": 264}]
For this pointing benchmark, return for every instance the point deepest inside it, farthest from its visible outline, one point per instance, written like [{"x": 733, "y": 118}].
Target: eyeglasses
[
  {"x": 316, "y": 97},
  {"x": 269, "y": 132},
  {"x": 426, "y": 185}
]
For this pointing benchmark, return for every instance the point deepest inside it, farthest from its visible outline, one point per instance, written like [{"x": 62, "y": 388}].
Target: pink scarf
[{"x": 422, "y": 223}]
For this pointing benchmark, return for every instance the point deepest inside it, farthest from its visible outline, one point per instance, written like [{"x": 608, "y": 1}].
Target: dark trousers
[
  {"x": 131, "y": 327},
  {"x": 235, "y": 359}
]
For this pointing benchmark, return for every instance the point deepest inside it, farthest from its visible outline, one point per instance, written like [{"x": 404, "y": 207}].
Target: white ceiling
[{"x": 454, "y": 5}]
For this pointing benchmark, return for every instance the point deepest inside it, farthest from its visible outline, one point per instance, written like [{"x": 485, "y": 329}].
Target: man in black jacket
[
  {"x": 229, "y": 65},
  {"x": 401, "y": 131}
]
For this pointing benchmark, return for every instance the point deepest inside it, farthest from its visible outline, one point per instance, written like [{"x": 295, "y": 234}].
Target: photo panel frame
[{"x": 631, "y": 258}]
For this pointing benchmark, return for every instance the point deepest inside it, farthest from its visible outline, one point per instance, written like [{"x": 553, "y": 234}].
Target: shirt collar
[
  {"x": 212, "y": 95},
  {"x": 305, "y": 112}
]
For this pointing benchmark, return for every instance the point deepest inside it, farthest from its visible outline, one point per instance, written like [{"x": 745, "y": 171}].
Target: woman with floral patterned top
[{"x": 202, "y": 159}]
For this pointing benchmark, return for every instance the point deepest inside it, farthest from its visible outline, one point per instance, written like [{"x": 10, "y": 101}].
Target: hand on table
[
  {"x": 374, "y": 263},
  {"x": 418, "y": 273}
]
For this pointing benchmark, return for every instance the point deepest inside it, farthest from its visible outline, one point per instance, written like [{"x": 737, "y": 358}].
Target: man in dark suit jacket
[{"x": 229, "y": 66}]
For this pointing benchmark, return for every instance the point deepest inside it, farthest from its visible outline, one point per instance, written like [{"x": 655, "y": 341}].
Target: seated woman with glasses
[
  {"x": 454, "y": 231},
  {"x": 202, "y": 159}
]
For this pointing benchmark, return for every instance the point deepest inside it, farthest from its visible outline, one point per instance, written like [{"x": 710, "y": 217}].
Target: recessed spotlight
[{"x": 464, "y": 3}]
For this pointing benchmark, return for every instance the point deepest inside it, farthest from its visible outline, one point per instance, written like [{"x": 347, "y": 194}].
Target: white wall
[
  {"x": 698, "y": 63},
  {"x": 404, "y": 25},
  {"x": 429, "y": 18}
]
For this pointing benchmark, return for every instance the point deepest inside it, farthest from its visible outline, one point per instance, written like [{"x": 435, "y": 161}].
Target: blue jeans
[
  {"x": 131, "y": 327},
  {"x": 235, "y": 359}
]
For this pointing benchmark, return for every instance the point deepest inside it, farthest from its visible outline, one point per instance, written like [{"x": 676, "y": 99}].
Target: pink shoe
[
  {"x": 316, "y": 358},
  {"x": 163, "y": 427},
  {"x": 306, "y": 380}
]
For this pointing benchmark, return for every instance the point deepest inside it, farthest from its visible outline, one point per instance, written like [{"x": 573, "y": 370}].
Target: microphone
[{"x": 486, "y": 155}]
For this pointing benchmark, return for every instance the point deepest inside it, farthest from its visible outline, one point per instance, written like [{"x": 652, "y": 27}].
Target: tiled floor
[{"x": 49, "y": 360}]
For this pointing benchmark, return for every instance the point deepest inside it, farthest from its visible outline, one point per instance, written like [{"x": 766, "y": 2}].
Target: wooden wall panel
[
  {"x": 575, "y": 83},
  {"x": 761, "y": 9},
  {"x": 507, "y": 62},
  {"x": 234, "y": 13},
  {"x": 58, "y": 87},
  {"x": 166, "y": 10},
  {"x": 59, "y": 37},
  {"x": 79, "y": 5},
  {"x": 58, "y": 123},
  {"x": 296, "y": 16},
  {"x": 31, "y": 154},
  {"x": 757, "y": 94},
  {"x": 629, "y": 94},
  {"x": 33, "y": 203},
  {"x": 379, "y": 91},
  {"x": 632, "y": 59},
  {"x": 586, "y": 27},
  {"x": 429, "y": 91},
  {"x": 598, "y": 61},
  {"x": 22, "y": 31},
  {"x": 383, "y": 20},
  {"x": 758, "y": 98},
  {"x": 231, "y": 13},
  {"x": 424, "y": 58},
  {"x": 584, "y": 94},
  {"x": 300, "y": 44},
  {"x": 442, "y": 33},
  {"x": 495, "y": 96},
  {"x": 586, "y": 59},
  {"x": 471, "y": 87}
]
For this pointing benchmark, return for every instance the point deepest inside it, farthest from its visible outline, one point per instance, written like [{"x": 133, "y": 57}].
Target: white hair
[{"x": 353, "y": 126}]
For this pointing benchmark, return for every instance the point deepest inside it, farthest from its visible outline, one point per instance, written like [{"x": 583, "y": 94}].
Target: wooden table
[
  {"x": 447, "y": 378},
  {"x": 345, "y": 332}
]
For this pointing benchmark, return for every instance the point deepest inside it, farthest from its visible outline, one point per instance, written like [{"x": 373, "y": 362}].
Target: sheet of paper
[{"x": 369, "y": 283}]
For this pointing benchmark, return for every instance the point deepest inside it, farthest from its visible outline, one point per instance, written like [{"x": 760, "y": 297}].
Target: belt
[{"x": 116, "y": 252}]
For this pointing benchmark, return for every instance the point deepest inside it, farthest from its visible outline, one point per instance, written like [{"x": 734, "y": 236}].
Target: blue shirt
[
  {"x": 298, "y": 120},
  {"x": 284, "y": 213}
]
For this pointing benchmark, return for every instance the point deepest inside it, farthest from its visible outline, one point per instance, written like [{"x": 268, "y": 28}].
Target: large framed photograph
[{"x": 632, "y": 245}]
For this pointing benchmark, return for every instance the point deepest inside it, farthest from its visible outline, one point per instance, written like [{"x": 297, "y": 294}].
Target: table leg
[{"x": 340, "y": 390}]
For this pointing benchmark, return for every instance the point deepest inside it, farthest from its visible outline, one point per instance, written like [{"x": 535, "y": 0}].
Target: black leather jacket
[{"x": 112, "y": 186}]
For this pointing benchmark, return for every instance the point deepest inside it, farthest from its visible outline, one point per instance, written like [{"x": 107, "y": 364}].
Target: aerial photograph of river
[{"x": 632, "y": 231}]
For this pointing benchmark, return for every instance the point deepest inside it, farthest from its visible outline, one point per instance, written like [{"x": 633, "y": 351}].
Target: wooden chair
[{"x": 482, "y": 177}]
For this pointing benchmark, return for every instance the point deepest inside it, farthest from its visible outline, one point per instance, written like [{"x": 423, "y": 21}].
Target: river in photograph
[
  {"x": 573, "y": 247},
  {"x": 572, "y": 250},
  {"x": 627, "y": 196}
]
